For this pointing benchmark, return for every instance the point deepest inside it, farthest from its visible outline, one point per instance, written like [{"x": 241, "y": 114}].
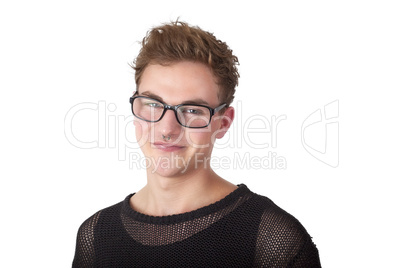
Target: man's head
[
  {"x": 178, "y": 70},
  {"x": 177, "y": 41}
]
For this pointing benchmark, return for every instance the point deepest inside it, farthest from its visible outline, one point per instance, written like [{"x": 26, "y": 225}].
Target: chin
[{"x": 169, "y": 173}]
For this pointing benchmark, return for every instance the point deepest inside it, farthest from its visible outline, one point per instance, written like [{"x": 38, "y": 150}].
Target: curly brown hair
[{"x": 177, "y": 41}]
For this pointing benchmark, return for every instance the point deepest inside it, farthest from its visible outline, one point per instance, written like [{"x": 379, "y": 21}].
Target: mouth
[{"x": 167, "y": 147}]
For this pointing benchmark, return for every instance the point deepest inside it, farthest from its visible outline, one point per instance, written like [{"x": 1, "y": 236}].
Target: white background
[{"x": 295, "y": 56}]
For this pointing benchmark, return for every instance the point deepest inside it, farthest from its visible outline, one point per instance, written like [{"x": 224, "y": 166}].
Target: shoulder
[
  {"x": 281, "y": 238},
  {"x": 85, "y": 243},
  {"x": 88, "y": 226},
  {"x": 274, "y": 222},
  {"x": 273, "y": 215}
]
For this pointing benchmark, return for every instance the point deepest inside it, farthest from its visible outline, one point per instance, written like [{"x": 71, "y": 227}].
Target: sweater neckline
[{"x": 186, "y": 216}]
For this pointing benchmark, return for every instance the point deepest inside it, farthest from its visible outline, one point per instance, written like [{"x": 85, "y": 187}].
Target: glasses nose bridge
[{"x": 170, "y": 107}]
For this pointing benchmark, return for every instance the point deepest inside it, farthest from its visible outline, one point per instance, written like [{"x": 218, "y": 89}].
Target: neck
[{"x": 175, "y": 195}]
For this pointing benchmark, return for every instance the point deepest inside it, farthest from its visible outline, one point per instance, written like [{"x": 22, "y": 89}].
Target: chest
[{"x": 229, "y": 242}]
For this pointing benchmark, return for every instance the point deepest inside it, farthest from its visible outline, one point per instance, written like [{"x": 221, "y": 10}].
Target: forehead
[{"x": 180, "y": 82}]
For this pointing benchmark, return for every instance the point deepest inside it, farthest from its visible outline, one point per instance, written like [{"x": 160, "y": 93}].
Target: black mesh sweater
[{"x": 241, "y": 230}]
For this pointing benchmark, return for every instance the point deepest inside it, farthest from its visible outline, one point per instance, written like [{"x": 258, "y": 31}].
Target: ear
[{"x": 226, "y": 122}]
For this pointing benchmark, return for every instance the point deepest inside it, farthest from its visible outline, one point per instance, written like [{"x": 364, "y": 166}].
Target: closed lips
[{"x": 167, "y": 146}]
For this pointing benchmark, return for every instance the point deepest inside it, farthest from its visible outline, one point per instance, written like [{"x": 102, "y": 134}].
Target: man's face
[{"x": 188, "y": 148}]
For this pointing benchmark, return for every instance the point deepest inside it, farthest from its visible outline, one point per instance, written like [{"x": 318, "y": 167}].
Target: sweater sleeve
[
  {"x": 84, "y": 250},
  {"x": 283, "y": 242},
  {"x": 306, "y": 257}
]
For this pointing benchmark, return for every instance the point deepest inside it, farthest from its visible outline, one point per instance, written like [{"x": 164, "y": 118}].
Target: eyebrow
[{"x": 193, "y": 101}]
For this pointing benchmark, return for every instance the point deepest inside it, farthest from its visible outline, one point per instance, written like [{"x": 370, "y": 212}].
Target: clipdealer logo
[{"x": 319, "y": 135}]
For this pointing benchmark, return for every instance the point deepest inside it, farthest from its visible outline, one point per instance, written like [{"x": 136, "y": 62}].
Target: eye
[
  {"x": 153, "y": 104},
  {"x": 193, "y": 111},
  {"x": 199, "y": 111}
]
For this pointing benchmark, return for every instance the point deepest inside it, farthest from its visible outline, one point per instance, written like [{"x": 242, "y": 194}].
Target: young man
[{"x": 187, "y": 215}]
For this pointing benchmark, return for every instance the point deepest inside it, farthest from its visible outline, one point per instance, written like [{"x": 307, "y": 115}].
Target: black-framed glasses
[{"x": 188, "y": 115}]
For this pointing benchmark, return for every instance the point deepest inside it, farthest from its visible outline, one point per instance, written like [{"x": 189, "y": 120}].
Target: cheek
[
  {"x": 141, "y": 131},
  {"x": 201, "y": 138}
]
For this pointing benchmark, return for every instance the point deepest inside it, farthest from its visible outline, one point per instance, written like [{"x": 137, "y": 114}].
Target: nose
[{"x": 168, "y": 125}]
